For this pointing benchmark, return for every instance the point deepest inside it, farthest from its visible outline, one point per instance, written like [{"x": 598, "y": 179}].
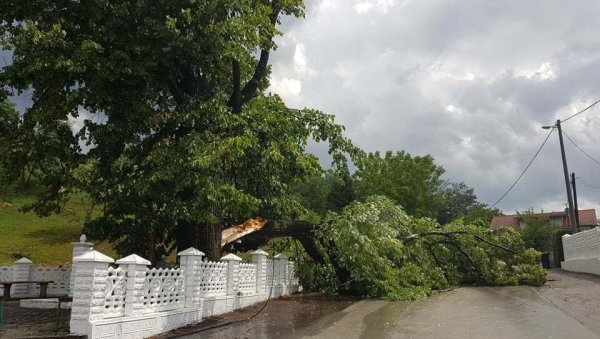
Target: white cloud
[
  {"x": 381, "y": 6},
  {"x": 287, "y": 88},
  {"x": 363, "y": 7},
  {"x": 545, "y": 71}
]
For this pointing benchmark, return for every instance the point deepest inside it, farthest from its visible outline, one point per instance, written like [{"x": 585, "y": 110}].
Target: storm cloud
[{"x": 469, "y": 82}]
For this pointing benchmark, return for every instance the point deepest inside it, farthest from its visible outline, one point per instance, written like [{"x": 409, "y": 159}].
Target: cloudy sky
[{"x": 469, "y": 82}]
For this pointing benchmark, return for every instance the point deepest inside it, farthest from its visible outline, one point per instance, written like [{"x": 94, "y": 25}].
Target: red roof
[
  {"x": 586, "y": 218},
  {"x": 505, "y": 220}
]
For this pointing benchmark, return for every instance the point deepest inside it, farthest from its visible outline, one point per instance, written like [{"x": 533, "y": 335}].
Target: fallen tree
[{"x": 374, "y": 249}]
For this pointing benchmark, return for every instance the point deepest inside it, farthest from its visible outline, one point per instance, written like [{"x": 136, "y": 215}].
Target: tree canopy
[
  {"x": 410, "y": 181},
  {"x": 178, "y": 138}
]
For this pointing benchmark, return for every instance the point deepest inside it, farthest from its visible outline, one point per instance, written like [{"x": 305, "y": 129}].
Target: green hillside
[{"x": 46, "y": 241}]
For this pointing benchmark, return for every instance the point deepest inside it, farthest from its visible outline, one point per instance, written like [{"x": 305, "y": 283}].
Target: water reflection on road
[{"x": 470, "y": 312}]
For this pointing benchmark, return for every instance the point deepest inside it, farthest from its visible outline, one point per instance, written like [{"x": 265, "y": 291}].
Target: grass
[{"x": 45, "y": 241}]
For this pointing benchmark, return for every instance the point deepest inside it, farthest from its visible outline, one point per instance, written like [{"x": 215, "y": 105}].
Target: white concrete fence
[
  {"x": 582, "y": 251},
  {"x": 130, "y": 300},
  {"x": 23, "y": 270}
]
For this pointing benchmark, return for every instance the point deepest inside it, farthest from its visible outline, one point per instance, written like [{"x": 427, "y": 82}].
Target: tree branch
[
  {"x": 250, "y": 90},
  {"x": 450, "y": 235},
  {"x": 458, "y": 248},
  {"x": 236, "y": 97}
]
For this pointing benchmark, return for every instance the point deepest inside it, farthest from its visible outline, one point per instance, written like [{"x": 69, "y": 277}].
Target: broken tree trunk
[{"x": 258, "y": 231}]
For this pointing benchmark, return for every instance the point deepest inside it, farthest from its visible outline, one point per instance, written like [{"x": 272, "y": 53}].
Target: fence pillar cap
[
  {"x": 231, "y": 256},
  {"x": 82, "y": 242},
  {"x": 566, "y": 235},
  {"x": 133, "y": 259},
  {"x": 94, "y": 256},
  {"x": 260, "y": 252},
  {"x": 280, "y": 256},
  {"x": 24, "y": 261},
  {"x": 190, "y": 251}
]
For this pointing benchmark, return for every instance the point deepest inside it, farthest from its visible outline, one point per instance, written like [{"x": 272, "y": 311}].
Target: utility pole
[
  {"x": 575, "y": 199},
  {"x": 571, "y": 211}
]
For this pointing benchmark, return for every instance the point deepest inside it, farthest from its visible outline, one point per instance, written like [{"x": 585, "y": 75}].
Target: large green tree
[
  {"x": 413, "y": 182},
  {"x": 178, "y": 138}
]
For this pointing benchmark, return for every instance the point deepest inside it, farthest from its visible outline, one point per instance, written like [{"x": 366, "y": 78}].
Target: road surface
[{"x": 564, "y": 308}]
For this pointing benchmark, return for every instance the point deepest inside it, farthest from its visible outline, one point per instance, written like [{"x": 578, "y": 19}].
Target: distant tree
[
  {"x": 312, "y": 193},
  {"x": 413, "y": 182},
  {"x": 9, "y": 136},
  {"x": 458, "y": 199},
  {"x": 341, "y": 192},
  {"x": 30, "y": 149},
  {"x": 538, "y": 231},
  {"x": 331, "y": 191},
  {"x": 481, "y": 214}
]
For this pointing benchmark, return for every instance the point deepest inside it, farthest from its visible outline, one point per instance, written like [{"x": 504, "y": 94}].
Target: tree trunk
[
  {"x": 209, "y": 240},
  {"x": 185, "y": 236},
  {"x": 152, "y": 247}
]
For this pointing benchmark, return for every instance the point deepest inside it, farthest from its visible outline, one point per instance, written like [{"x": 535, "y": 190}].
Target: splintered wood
[{"x": 233, "y": 233}]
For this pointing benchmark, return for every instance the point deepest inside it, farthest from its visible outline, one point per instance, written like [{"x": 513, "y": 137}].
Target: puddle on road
[{"x": 282, "y": 318}]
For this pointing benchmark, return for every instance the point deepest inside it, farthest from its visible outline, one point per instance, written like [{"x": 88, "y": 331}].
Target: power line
[
  {"x": 585, "y": 183},
  {"x": 525, "y": 170},
  {"x": 581, "y": 149},
  {"x": 583, "y": 110}
]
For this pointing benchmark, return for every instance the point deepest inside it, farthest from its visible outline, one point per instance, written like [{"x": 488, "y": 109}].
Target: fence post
[
  {"x": 190, "y": 261},
  {"x": 281, "y": 266},
  {"x": 135, "y": 266},
  {"x": 21, "y": 272},
  {"x": 89, "y": 290},
  {"x": 233, "y": 268},
  {"x": 259, "y": 258},
  {"x": 79, "y": 248}
]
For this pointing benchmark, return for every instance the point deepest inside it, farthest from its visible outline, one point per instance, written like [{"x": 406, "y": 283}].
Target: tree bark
[
  {"x": 209, "y": 240},
  {"x": 236, "y": 97},
  {"x": 185, "y": 235}
]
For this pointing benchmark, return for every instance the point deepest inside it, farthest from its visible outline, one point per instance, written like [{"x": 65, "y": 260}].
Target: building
[{"x": 587, "y": 219}]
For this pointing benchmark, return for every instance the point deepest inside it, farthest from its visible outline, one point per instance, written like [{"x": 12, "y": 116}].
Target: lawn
[{"x": 46, "y": 241}]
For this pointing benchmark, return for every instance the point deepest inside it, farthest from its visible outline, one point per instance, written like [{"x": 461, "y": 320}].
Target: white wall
[{"x": 582, "y": 251}]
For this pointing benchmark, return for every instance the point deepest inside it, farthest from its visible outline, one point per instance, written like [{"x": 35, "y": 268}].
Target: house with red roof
[{"x": 587, "y": 219}]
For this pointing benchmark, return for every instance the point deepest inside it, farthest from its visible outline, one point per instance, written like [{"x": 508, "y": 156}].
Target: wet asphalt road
[
  {"x": 468, "y": 312},
  {"x": 476, "y": 312}
]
